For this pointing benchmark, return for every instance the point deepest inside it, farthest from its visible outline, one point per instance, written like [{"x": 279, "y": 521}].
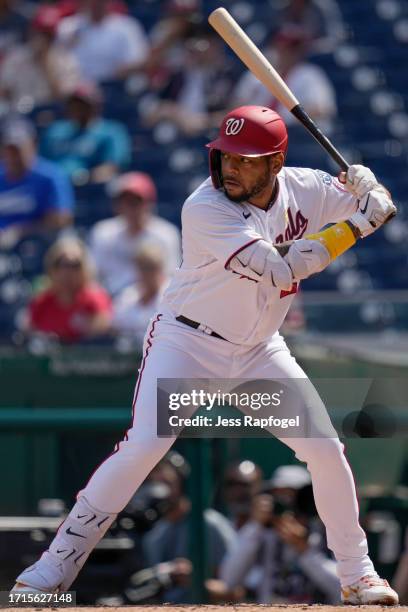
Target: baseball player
[{"x": 220, "y": 318}]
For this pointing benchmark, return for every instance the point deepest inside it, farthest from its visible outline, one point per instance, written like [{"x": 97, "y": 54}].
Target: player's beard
[{"x": 245, "y": 196}]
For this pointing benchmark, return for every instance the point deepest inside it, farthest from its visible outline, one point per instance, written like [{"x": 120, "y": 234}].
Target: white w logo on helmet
[{"x": 234, "y": 126}]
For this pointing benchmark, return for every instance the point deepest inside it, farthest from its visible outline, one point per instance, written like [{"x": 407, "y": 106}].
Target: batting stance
[{"x": 220, "y": 319}]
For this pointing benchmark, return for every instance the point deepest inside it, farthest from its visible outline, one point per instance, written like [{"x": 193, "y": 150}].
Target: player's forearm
[
  {"x": 314, "y": 252},
  {"x": 340, "y": 237},
  {"x": 337, "y": 239}
]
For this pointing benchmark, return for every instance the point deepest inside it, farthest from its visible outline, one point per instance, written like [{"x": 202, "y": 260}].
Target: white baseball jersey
[{"x": 214, "y": 229}]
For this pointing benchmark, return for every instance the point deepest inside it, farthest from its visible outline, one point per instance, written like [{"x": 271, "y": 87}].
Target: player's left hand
[
  {"x": 358, "y": 180},
  {"x": 306, "y": 257}
]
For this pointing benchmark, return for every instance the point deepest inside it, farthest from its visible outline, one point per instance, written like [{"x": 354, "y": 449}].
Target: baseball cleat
[
  {"x": 42, "y": 577},
  {"x": 369, "y": 590}
]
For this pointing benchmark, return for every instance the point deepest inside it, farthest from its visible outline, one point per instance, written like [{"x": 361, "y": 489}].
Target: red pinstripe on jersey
[{"x": 142, "y": 367}]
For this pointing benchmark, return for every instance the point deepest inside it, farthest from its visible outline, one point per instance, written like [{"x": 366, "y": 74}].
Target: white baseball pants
[{"x": 173, "y": 350}]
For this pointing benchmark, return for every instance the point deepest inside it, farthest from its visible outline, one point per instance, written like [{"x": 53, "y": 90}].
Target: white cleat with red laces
[{"x": 369, "y": 590}]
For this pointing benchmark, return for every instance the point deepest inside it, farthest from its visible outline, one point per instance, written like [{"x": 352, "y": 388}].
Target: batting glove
[
  {"x": 358, "y": 180},
  {"x": 374, "y": 209},
  {"x": 306, "y": 257}
]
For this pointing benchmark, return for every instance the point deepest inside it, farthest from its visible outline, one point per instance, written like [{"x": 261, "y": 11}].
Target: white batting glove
[
  {"x": 306, "y": 257},
  {"x": 358, "y": 180},
  {"x": 374, "y": 209}
]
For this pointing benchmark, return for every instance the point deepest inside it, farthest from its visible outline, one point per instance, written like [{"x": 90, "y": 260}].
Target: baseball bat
[{"x": 251, "y": 56}]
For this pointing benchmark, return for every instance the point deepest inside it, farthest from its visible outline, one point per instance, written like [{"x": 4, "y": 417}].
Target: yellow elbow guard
[{"x": 337, "y": 239}]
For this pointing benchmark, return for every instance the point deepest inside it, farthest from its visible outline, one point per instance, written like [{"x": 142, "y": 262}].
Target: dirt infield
[{"x": 237, "y": 608}]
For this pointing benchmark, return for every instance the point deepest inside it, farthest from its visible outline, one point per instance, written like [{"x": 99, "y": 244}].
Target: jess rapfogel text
[{"x": 244, "y": 421}]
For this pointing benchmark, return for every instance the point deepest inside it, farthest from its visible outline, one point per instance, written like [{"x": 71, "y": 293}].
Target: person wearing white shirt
[
  {"x": 113, "y": 242},
  {"x": 136, "y": 305},
  {"x": 105, "y": 44}
]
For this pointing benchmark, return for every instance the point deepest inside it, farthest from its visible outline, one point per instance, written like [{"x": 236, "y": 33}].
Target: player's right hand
[
  {"x": 306, "y": 257},
  {"x": 373, "y": 211}
]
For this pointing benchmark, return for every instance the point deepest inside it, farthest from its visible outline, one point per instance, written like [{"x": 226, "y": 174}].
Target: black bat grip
[{"x": 301, "y": 115}]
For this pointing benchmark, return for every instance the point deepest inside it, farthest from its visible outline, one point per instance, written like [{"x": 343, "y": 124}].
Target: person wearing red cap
[
  {"x": 70, "y": 7},
  {"x": 251, "y": 232},
  {"x": 40, "y": 71},
  {"x": 89, "y": 147},
  {"x": 114, "y": 241}
]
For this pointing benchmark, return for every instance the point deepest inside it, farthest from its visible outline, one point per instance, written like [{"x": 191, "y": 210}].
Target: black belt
[{"x": 196, "y": 325}]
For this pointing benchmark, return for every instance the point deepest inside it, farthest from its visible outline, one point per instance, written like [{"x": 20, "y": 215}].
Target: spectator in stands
[
  {"x": 286, "y": 481},
  {"x": 280, "y": 553},
  {"x": 242, "y": 481},
  {"x": 169, "y": 538},
  {"x": 35, "y": 196},
  {"x": 72, "y": 308},
  {"x": 135, "y": 305},
  {"x": 106, "y": 45},
  {"x": 114, "y": 241},
  {"x": 38, "y": 72},
  {"x": 169, "y": 34},
  {"x": 198, "y": 92},
  {"x": 287, "y": 49},
  {"x": 87, "y": 146},
  {"x": 322, "y": 18},
  {"x": 14, "y": 19}
]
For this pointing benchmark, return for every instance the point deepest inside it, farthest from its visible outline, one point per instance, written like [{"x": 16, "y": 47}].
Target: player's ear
[{"x": 276, "y": 162}]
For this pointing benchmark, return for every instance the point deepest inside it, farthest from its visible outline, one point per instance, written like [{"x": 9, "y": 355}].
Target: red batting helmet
[{"x": 252, "y": 131}]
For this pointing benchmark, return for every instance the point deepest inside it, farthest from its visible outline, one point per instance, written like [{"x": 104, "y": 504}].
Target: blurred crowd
[{"x": 56, "y": 59}]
